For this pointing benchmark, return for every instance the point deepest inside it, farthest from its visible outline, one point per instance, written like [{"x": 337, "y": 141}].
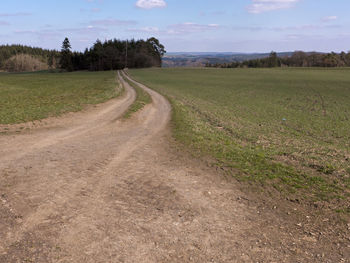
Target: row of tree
[
  {"x": 297, "y": 59},
  {"x": 11, "y": 56},
  {"x": 113, "y": 54},
  {"x": 109, "y": 55}
]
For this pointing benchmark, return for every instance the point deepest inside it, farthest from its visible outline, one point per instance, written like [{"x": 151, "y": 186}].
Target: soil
[{"x": 93, "y": 187}]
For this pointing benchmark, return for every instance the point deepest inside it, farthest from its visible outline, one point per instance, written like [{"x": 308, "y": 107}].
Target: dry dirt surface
[{"x": 93, "y": 187}]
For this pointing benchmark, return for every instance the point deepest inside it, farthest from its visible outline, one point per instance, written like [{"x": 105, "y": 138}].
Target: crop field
[
  {"x": 284, "y": 130},
  {"x": 33, "y": 96}
]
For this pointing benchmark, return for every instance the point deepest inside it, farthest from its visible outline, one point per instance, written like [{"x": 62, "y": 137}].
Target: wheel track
[
  {"x": 83, "y": 177},
  {"x": 96, "y": 188}
]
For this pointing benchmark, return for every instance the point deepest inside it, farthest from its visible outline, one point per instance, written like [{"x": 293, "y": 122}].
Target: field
[
  {"x": 109, "y": 179},
  {"x": 286, "y": 130},
  {"x": 142, "y": 98},
  {"x": 33, "y": 96}
]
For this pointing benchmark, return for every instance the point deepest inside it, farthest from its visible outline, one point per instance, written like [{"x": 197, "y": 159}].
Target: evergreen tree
[
  {"x": 66, "y": 56},
  {"x": 273, "y": 60},
  {"x": 107, "y": 55}
]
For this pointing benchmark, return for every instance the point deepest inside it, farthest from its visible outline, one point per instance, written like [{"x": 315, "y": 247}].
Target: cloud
[
  {"x": 305, "y": 27},
  {"x": 59, "y": 33},
  {"x": 45, "y": 34},
  {"x": 14, "y": 14},
  {"x": 249, "y": 28},
  {"x": 329, "y": 18},
  {"x": 113, "y": 22},
  {"x": 146, "y": 30},
  {"x": 261, "y": 6},
  {"x": 189, "y": 27},
  {"x": 149, "y": 4},
  {"x": 177, "y": 29},
  {"x": 85, "y": 31},
  {"x": 4, "y": 23}
]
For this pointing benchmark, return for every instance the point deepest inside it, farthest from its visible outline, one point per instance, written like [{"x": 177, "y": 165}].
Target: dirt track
[{"x": 93, "y": 188}]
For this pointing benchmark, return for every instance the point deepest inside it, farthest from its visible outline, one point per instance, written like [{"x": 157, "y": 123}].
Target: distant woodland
[
  {"x": 17, "y": 58},
  {"x": 118, "y": 54},
  {"x": 297, "y": 59},
  {"x": 108, "y": 55}
]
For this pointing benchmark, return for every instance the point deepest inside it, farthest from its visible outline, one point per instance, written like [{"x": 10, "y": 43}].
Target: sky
[{"x": 181, "y": 25}]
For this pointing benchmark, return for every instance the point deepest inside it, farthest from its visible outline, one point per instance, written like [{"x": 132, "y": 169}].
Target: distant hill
[{"x": 200, "y": 59}]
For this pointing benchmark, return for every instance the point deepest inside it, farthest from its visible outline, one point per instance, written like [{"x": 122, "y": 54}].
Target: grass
[
  {"x": 286, "y": 129},
  {"x": 33, "y": 96},
  {"x": 142, "y": 99}
]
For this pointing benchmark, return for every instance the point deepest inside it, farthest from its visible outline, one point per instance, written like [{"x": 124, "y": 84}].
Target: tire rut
[{"x": 96, "y": 188}]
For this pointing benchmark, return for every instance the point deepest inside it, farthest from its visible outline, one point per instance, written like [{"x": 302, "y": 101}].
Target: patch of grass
[
  {"x": 33, "y": 96},
  {"x": 142, "y": 99},
  {"x": 285, "y": 128}
]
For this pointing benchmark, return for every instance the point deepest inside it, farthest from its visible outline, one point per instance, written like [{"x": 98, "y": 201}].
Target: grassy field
[
  {"x": 283, "y": 129},
  {"x": 33, "y": 96},
  {"x": 142, "y": 99}
]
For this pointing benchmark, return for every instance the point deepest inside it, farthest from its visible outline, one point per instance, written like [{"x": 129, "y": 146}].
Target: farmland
[
  {"x": 142, "y": 98},
  {"x": 108, "y": 178},
  {"x": 284, "y": 130},
  {"x": 32, "y": 96}
]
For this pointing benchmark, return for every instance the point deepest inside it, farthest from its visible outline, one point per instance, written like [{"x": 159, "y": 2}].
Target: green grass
[
  {"x": 33, "y": 96},
  {"x": 281, "y": 128},
  {"x": 142, "y": 99}
]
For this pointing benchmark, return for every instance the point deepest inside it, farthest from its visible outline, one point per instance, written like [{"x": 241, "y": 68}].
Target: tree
[
  {"x": 158, "y": 49},
  {"x": 273, "y": 60},
  {"x": 66, "y": 56},
  {"x": 50, "y": 61}
]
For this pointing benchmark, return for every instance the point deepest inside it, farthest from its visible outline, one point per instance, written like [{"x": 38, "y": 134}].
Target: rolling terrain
[
  {"x": 284, "y": 129},
  {"x": 200, "y": 59},
  {"x": 93, "y": 186}
]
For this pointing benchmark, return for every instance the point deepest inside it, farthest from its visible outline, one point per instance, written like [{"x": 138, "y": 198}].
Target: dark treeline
[
  {"x": 114, "y": 54},
  {"x": 298, "y": 59},
  {"x": 108, "y": 55},
  {"x": 9, "y": 51}
]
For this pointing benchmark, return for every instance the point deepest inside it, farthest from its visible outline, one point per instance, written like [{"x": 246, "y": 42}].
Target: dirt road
[{"x": 91, "y": 187}]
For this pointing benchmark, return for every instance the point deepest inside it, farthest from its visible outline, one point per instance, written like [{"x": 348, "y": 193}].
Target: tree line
[
  {"x": 108, "y": 55},
  {"x": 113, "y": 54},
  {"x": 21, "y": 58},
  {"x": 297, "y": 59}
]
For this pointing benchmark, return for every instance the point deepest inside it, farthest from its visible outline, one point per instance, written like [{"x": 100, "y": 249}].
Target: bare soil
[{"x": 92, "y": 187}]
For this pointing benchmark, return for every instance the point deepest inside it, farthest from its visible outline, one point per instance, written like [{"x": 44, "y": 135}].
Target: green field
[
  {"x": 33, "y": 96},
  {"x": 283, "y": 129},
  {"x": 142, "y": 99}
]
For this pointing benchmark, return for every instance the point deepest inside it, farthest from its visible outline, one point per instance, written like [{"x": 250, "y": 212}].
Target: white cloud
[
  {"x": 149, "y": 4},
  {"x": 189, "y": 27},
  {"x": 145, "y": 30},
  {"x": 261, "y": 6},
  {"x": 329, "y": 18},
  {"x": 177, "y": 29},
  {"x": 303, "y": 27},
  {"x": 15, "y": 14}
]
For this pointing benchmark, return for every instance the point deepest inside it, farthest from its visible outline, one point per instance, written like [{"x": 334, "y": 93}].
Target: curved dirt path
[{"x": 95, "y": 188}]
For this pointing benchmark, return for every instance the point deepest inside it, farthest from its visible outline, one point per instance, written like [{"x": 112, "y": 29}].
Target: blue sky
[{"x": 181, "y": 25}]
